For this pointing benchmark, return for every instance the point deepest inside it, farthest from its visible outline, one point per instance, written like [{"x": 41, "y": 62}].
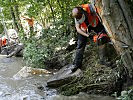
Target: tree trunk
[
  {"x": 50, "y": 5},
  {"x": 14, "y": 19},
  {"x": 16, "y": 8},
  {"x": 61, "y": 8},
  {"x": 117, "y": 19}
]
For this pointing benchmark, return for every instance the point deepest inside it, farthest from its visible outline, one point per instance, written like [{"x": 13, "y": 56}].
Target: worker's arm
[{"x": 81, "y": 31}]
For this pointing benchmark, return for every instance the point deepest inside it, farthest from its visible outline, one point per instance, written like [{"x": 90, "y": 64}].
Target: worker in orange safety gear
[{"x": 87, "y": 21}]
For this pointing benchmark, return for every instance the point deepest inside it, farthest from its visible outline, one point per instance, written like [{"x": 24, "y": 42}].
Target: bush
[{"x": 52, "y": 39}]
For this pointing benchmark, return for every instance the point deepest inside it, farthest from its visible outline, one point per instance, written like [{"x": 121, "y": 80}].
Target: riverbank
[{"x": 31, "y": 88}]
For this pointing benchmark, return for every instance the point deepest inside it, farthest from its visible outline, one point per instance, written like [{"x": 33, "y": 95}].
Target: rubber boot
[
  {"x": 102, "y": 56},
  {"x": 75, "y": 68}
]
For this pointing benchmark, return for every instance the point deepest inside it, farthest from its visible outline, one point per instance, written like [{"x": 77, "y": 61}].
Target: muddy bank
[{"x": 96, "y": 78}]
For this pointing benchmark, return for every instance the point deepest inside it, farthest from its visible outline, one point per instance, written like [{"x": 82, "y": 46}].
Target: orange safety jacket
[
  {"x": 29, "y": 20},
  {"x": 3, "y": 42},
  {"x": 92, "y": 18}
]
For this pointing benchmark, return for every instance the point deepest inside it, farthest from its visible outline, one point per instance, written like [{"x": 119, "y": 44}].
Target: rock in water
[
  {"x": 63, "y": 76},
  {"x": 28, "y": 71},
  {"x": 18, "y": 50}
]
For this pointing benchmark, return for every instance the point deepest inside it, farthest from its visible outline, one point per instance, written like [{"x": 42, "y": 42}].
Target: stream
[{"x": 31, "y": 88}]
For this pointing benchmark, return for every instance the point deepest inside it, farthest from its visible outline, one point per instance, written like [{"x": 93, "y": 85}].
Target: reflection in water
[
  {"x": 31, "y": 88},
  {"x": 81, "y": 96}
]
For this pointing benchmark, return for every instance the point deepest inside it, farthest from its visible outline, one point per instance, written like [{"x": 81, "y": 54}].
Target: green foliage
[
  {"x": 1, "y": 28},
  {"x": 35, "y": 53},
  {"x": 37, "y": 50},
  {"x": 126, "y": 95}
]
